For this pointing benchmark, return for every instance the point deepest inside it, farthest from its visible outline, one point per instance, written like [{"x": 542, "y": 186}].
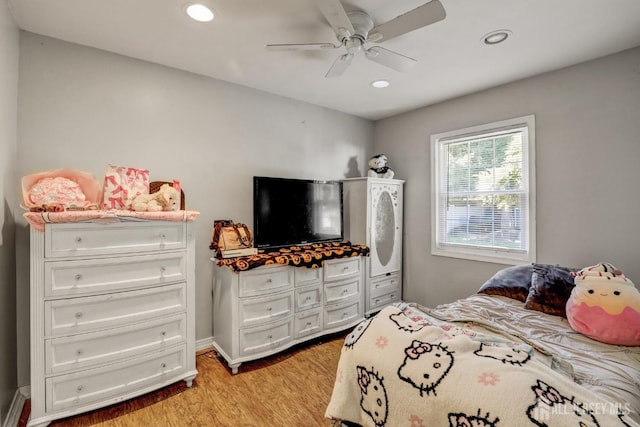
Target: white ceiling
[{"x": 452, "y": 60}]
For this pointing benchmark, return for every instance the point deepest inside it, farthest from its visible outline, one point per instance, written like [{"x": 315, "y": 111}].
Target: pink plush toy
[{"x": 605, "y": 305}]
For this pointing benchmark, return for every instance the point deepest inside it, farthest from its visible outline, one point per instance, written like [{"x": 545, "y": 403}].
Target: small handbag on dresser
[{"x": 228, "y": 236}]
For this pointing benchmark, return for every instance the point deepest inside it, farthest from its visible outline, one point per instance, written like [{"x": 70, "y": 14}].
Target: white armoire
[{"x": 373, "y": 216}]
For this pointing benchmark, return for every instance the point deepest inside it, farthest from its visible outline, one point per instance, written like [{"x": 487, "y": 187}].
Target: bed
[{"x": 491, "y": 359}]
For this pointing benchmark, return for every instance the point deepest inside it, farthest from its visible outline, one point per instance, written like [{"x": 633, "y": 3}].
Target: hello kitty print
[{"x": 405, "y": 368}]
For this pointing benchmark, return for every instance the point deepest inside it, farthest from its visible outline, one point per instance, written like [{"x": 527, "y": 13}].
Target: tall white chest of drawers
[{"x": 112, "y": 313}]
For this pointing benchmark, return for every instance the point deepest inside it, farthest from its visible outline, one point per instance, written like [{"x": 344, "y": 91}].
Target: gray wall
[
  {"x": 8, "y": 138},
  {"x": 587, "y": 166},
  {"x": 84, "y": 108}
]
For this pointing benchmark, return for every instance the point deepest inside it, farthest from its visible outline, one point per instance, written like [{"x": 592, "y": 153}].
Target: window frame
[{"x": 488, "y": 254}]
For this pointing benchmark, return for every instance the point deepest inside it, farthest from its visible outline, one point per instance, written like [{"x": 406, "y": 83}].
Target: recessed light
[
  {"x": 496, "y": 37},
  {"x": 380, "y": 83},
  {"x": 199, "y": 12}
]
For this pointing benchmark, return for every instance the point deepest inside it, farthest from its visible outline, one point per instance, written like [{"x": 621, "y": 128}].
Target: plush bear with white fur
[
  {"x": 378, "y": 167},
  {"x": 166, "y": 198}
]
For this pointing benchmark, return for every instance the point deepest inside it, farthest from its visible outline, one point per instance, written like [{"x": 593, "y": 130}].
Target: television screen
[{"x": 289, "y": 212}]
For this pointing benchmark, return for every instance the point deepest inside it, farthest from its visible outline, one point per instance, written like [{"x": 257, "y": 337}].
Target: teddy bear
[
  {"x": 378, "y": 167},
  {"x": 166, "y": 198}
]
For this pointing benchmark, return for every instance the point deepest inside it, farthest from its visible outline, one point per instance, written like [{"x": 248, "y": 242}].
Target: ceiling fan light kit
[
  {"x": 380, "y": 84},
  {"x": 354, "y": 29}
]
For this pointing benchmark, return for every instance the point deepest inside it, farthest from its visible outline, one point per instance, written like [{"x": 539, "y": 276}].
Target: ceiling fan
[{"x": 355, "y": 28}]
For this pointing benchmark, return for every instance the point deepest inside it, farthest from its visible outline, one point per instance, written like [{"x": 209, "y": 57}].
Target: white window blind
[{"x": 482, "y": 187}]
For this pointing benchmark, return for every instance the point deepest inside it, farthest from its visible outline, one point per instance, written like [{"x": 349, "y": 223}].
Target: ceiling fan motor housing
[{"x": 362, "y": 24}]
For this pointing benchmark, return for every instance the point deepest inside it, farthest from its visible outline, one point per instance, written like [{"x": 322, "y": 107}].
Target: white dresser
[
  {"x": 262, "y": 311},
  {"x": 112, "y": 313}
]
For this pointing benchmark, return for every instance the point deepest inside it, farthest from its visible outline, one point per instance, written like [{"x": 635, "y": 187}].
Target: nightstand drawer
[
  {"x": 341, "y": 291},
  {"x": 82, "y": 277},
  {"x": 88, "y": 239},
  {"x": 86, "y": 314},
  {"x": 385, "y": 285},
  {"x": 114, "y": 381},
  {"x": 254, "y": 311},
  {"x": 341, "y": 268},
  {"x": 308, "y": 297},
  {"x": 86, "y": 350},
  {"x": 266, "y": 338},
  {"x": 263, "y": 281}
]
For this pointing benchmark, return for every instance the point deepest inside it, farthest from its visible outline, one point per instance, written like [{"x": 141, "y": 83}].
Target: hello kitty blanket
[{"x": 404, "y": 368}]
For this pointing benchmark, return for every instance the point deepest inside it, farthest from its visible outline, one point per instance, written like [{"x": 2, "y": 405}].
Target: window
[{"x": 483, "y": 198}]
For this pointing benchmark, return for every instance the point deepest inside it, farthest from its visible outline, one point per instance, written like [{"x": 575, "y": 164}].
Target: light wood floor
[{"x": 289, "y": 389}]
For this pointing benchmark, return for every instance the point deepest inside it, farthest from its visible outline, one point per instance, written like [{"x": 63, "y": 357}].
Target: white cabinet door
[{"x": 386, "y": 228}]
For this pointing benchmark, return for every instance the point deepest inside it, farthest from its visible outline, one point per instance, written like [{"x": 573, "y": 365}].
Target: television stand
[{"x": 265, "y": 310}]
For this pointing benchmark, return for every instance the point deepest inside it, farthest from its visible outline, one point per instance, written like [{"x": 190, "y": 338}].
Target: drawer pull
[
  {"x": 345, "y": 269},
  {"x": 392, "y": 296},
  {"x": 79, "y": 315},
  {"x": 79, "y": 388},
  {"x": 269, "y": 309},
  {"x": 79, "y": 352},
  {"x": 78, "y": 276},
  {"x": 393, "y": 282},
  {"x": 269, "y": 280},
  {"x": 163, "y": 333},
  {"x": 307, "y": 299},
  {"x": 346, "y": 291},
  {"x": 377, "y": 285},
  {"x": 163, "y": 365},
  {"x": 162, "y": 235},
  {"x": 163, "y": 269},
  {"x": 78, "y": 239},
  {"x": 377, "y": 301},
  {"x": 269, "y": 336},
  {"x": 308, "y": 323},
  {"x": 345, "y": 314}
]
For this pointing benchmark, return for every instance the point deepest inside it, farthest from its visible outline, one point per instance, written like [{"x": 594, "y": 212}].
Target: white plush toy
[
  {"x": 378, "y": 167},
  {"x": 166, "y": 198}
]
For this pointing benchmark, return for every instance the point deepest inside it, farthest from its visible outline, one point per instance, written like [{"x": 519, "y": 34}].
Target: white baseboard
[
  {"x": 204, "y": 344},
  {"x": 17, "y": 404}
]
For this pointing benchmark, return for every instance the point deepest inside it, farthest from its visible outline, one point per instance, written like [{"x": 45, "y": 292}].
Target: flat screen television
[{"x": 289, "y": 212}]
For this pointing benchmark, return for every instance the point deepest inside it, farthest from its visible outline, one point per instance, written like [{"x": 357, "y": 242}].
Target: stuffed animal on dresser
[
  {"x": 378, "y": 167},
  {"x": 166, "y": 198}
]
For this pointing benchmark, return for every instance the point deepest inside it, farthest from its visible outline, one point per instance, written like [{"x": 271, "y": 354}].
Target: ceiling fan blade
[
  {"x": 417, "y": 18},
  {"x": 334, "y": 12},
  {"x": 305, "y": 46},
  {"x": 390, "y": 59},
  {"x": 340, "y": 65}
]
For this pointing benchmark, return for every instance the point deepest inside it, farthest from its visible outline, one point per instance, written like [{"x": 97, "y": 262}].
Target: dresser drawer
[
  {"x": 255, "y": 311},
  {"x": 88, "y": 239},
  {"x": 268, "y": 280},
  {"x": 341, "y": 268},
  {"x": 114, "y": 381},
  {"x": 82, "y": 277},
  {"x": 266, "y": 338},
  {"x": 87, "y": 350},
  {"x": 385, "y": 285},
  {"x": 86, "y": 314},
  {"x": 308, "y": 322},
  {"x": 308, "y": 297},
  {"x": 341, "y": 315},
  {"x": 307, "y": 276},
  {"x": 341, "y": 291},
  {"x": 383, "y": 300}
]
